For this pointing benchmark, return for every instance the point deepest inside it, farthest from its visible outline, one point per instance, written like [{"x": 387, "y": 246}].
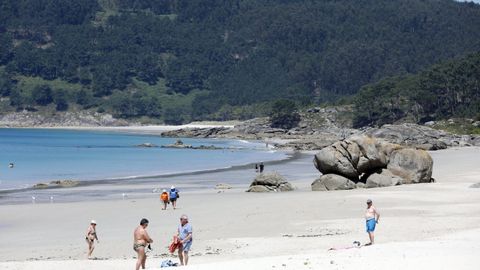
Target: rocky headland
[
  {"x": 315, "y": 135},
  {"x": 61, "y": 119}
]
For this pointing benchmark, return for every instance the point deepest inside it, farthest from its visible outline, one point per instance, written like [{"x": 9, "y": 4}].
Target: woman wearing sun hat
[{"x": 91, "y": 236}]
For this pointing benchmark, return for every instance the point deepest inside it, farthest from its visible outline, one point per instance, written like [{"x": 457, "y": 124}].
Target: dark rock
[
  {"x": 196, "y": 132},
  {"x": 328, "y": 182},
  {"x": 259, "y": 189}
]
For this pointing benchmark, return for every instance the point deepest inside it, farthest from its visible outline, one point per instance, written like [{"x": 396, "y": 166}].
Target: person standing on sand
[
  {"x": 371, "y": 217},
  {"x": 261, "y": 167},
  {"x": 90, "y": 237},
  {"x": 164, "y": 198},
  {"x": 186, "y": 239},
  {"x": 174, "y": 196},
  {"x": 141, "y": 240}
]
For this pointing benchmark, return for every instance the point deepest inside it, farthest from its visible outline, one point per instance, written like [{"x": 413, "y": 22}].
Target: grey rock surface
[
  {"x": 270, "y": 182},
  {"x": 328, "y": 182},
  {"x": 412, "y": 165}
]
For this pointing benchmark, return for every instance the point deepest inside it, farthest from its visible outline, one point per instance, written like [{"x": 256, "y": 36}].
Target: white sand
[
  {"x": 424, "y": 226},
  {"x": 150, "y": 129}
]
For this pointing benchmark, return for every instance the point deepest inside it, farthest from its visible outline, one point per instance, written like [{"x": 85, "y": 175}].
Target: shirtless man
[
  {"x": 90, "y": 237},
  {"x": 141, "y": 239},
  {"x": 371, "y": 217}
]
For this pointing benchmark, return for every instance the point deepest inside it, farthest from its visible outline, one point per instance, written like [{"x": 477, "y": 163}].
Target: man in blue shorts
[
  {"x": 185, "y": 236},
  {"x": 371, "y": 217}
]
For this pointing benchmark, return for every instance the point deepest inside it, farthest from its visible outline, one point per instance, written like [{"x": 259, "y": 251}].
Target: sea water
[{"x": 44, "y": 155}]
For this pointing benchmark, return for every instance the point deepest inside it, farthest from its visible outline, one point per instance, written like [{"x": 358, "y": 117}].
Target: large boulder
[
  {"x": 383, "y": 178},
  {"x": 270, "y": 182},
  {"x": 374, "y": 153},
  {"x": 332, "y": 182},
  {"x": 412, "y": 165},
  {"x": 339, "y": 158}
]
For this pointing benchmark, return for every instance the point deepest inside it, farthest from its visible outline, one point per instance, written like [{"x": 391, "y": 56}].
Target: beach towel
[
  {"x": 356, "y": 244},
  {"x": 175, "y": 244}
]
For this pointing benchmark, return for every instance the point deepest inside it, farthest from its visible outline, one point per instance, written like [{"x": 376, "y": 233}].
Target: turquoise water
[{"x": 41, "y": 155}]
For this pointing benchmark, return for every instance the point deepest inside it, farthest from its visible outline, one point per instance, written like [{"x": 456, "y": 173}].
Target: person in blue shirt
[
  {"x": 173, "y": 195},
  {"x": 186, "y": 239}
]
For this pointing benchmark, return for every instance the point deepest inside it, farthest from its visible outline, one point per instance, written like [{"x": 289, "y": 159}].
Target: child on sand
[{"x": 164, "y": 198}]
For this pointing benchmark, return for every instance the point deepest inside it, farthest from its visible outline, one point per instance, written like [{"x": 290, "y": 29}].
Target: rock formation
[
  {"x": 332, "y": 182},
  {"x": 270, "y": 182},
  {"x": 364, "y": 161}
]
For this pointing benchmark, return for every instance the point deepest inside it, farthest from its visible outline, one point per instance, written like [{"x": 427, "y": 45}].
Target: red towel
[{"x": 175, "y": 244}]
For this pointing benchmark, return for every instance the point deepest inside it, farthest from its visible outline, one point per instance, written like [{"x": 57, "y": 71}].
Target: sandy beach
[{"x": 423, "y": 226}]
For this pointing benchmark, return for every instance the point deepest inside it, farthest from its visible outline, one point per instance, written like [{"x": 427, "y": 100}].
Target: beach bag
[{"x": 175, "y": 244}]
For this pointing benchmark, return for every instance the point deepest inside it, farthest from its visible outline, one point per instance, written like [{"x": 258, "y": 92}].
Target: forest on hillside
[
  {"x": 449, "y": 89},
  {"x": 183, "y": 60}
]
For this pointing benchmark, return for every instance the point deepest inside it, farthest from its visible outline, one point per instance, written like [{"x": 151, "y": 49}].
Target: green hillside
[
  {"x": 183, "y": 60},
  {"x": 450, "y": 89}
]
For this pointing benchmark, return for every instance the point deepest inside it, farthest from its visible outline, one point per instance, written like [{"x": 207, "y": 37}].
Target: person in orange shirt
[{"x": 164, "y": 198}]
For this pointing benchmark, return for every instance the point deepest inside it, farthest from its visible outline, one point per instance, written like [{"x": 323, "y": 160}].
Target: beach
[{"x": 427, "y": 226}]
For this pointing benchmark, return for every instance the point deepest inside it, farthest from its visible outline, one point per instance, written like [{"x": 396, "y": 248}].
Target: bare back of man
[{"x": 141, "y": 239}]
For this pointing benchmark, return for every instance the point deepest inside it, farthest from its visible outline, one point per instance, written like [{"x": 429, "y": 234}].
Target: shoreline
[
  {"x": 290, "y": 156},
  {"x": 152, "y": 130},
  {"x": 136, "y": 129},
  {"x": 418, "y": 222}
]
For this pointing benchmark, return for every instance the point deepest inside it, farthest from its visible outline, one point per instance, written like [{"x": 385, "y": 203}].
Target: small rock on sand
[
  {"x": 477, "y": 185},
  {"x": 40, "y": 186},
  {"x": 223, "y": 186}
]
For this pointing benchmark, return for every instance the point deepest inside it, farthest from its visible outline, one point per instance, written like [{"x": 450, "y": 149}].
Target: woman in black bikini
[{"x": 91, "y": 236}]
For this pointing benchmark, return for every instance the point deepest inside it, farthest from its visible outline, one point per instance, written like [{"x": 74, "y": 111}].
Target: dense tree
[
  {"x": 236, "y": 54},
  {"x": 42, "y": 95},
  {"x": 5, "y": 84},
  {"x": 60, "y": 100},
  {"x": 284, "y": 114},
  {"x": 174, "y": 116},
  {"x": 446, "y": 90}
]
